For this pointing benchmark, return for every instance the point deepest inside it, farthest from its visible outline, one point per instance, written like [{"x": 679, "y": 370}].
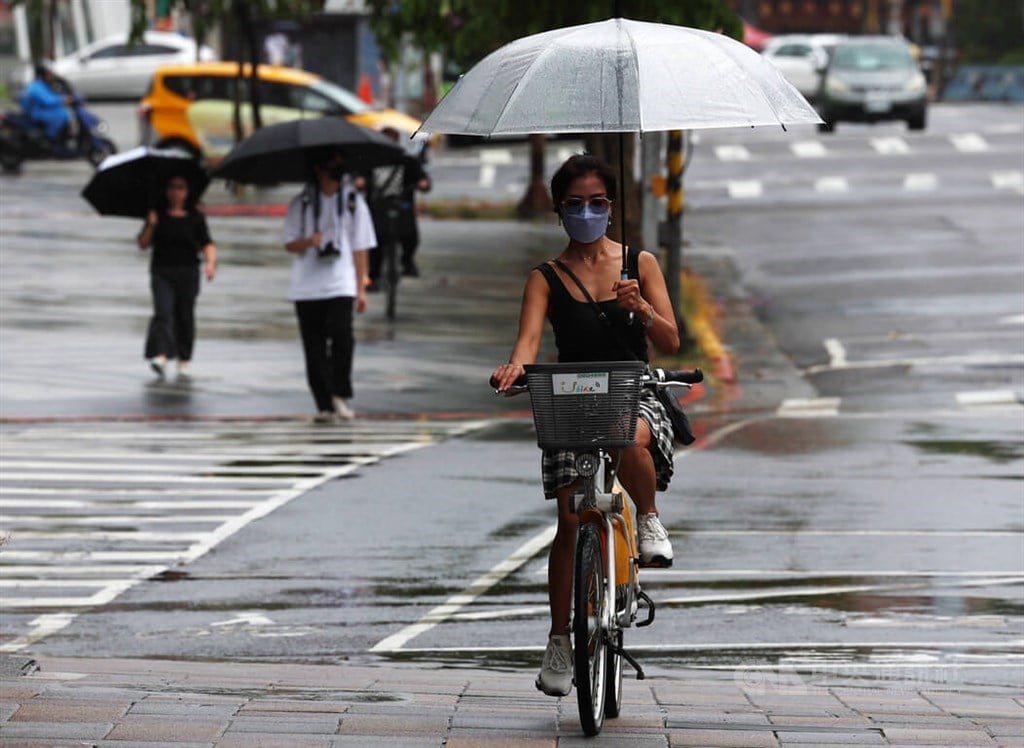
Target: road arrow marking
[{"x": 246, "y": 619}]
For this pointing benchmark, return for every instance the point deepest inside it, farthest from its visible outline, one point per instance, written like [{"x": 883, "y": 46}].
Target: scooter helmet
[{"x": 43, "y": 67}]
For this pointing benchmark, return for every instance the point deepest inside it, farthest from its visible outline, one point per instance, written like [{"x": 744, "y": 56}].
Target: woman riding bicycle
[{"x": 634, "y": 311}]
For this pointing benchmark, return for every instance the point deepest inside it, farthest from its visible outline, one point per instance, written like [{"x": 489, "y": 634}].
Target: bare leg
[
  {"x": 560, "y": 562},
  {"x": 637, "y": 473}
]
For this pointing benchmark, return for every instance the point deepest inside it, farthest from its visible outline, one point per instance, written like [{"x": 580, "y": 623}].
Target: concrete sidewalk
[{"x": 151, "y": 703}]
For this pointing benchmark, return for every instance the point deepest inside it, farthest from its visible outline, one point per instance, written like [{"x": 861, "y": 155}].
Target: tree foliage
[
  {"x": 989, "y": 31},
  {"x": 466, "y": 30}
]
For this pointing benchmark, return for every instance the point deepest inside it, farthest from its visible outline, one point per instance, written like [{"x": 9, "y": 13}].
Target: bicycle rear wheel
[
  {"x": 613, "y": 690},
  {"x": 589, "y": 646}
]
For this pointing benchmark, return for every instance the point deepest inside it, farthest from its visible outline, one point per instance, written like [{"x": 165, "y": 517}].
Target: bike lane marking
[
  {"x": 451, "y": 608},
  {"x": 476, "y": 588}
]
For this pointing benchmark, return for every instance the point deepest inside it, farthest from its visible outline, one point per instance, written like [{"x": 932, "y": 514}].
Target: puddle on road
[
  {"x": 788, "y": 437},
  {"x": 996, "y": 451}
]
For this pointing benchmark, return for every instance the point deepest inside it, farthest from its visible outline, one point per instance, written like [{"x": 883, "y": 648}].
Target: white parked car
[
  {"x": 111, "y": 68},
  {"x": 801, "y": 58}
]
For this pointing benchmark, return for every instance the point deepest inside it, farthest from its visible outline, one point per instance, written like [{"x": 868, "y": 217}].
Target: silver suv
[{"x": 873, "y": 78}]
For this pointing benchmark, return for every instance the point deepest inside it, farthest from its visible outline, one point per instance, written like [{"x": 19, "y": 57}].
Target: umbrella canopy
[
  {"x": 132, "y": 183},
  {"x": 619, "y": 76},
  {"x": 279, "y": 153}
]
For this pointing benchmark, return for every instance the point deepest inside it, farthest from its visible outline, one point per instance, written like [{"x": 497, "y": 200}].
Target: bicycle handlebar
[
  {"x": 657, "y": 377},
  {"x": 677, "y": 376}
]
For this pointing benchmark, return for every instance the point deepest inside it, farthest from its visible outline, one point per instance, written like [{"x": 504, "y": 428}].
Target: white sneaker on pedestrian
[
  {"x": 183, "y": 369},
  {"x": 158, "y": 364},
  {"x": 343, "y": 409},
  {"x": 555, "y": 677},
  {"x": 655, "y": 548},
  {"x": 325, "y": 416}
]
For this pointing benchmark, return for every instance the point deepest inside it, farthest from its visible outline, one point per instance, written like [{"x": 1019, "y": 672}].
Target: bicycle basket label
[{"x": 584, "y": 383}]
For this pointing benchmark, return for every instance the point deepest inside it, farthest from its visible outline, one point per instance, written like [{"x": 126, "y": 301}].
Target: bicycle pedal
[
  {"x": 644, "y": 599},
  {"x": 658, "y": 562}
]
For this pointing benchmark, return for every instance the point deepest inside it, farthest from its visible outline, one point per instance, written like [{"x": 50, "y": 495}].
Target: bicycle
[{"x": 591, "y": 408}]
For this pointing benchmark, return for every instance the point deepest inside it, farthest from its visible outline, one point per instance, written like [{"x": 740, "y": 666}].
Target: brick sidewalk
[{"x": 156, "y": 703}]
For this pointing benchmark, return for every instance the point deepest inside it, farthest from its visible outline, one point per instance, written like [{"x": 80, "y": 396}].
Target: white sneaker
[
  {"x": 158, "y": 365},
  {"x": 183, "y": 369},
  {"x": 343, "y": 409},
  {"x": 655, "y": 548},
  {"x": 555, "y": 677}
]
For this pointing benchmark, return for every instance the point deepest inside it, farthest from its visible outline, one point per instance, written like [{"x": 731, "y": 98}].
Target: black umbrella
[
  {"x": 132, "y": 183},
  {"x": 280, "y": 153}
]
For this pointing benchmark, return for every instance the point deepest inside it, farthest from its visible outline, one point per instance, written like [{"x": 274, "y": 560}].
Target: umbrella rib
[{"x": 639, "y": 82}]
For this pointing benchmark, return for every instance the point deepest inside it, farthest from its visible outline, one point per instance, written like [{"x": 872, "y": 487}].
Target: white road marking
[
  {"x": 957, "y": 361},
  {"x": 969, "y": 142},
  {"x": 804, "y": 407},
  {"x": 497, "y": 156},
  {"x": 890, "y": 145},
  {"x": 732, "y": 153},
  {"x": 479, "y": 586},
  {"x": 1013, "y": 319},
  {"x": 831, "y": 184},
  {"x": 246, "y": 619},
  {"x": 488, "y": 175},
  {"x": 858, "y": 533},
  {"x": 1008, "y": 180},
  {"x": 809, "y": 149},
  {"x": 253, "y": 491},
  {"x": 987, "y": 397},
  {"x": 39, "y": 628},
  {"x": 745, "y": 189},
  {"x": 922, "y": 182},
  {"x": 836, "y": 352}
]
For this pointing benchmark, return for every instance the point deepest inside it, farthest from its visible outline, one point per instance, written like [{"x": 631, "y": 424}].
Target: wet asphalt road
[{"x": 856, "y": 505}]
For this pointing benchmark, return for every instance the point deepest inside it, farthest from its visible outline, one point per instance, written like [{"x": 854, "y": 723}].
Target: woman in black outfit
[
  {"x": 179, "y": 236},
  {"x": 638, "y": 311}
]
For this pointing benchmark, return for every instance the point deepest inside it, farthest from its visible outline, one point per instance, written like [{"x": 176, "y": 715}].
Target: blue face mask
[{"x": 587, "y": 226}]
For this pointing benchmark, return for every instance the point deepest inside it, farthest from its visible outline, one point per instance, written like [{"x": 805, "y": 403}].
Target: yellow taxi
[{"x": 192, "y": 106}]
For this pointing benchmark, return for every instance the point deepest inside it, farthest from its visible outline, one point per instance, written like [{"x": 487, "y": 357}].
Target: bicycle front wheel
[{"x": 589, "y": 646}]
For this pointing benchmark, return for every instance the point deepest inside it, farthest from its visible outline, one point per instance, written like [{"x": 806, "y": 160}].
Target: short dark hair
[
  {"x": 577, "y": 166},
  {"x": 323, "y": 155}
]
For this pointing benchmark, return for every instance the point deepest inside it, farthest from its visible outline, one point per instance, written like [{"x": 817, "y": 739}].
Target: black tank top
[{"x": 580, "y": 335}]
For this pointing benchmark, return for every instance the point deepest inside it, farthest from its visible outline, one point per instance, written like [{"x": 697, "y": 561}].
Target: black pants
[
  {"x": 172, "y": 331},
  {"x": 326, "y": 329}
]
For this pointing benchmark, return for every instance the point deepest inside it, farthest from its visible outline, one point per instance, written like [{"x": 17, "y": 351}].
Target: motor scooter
[{"x": 21, "y": 138}]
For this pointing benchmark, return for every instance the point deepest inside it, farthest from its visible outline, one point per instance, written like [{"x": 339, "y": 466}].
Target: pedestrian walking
[
  {"x": 179, "y": 236},
  {"x": 595, "y": 316},
  {"x": 391, "y": 192},
  {"x": 328, "y": 229}
]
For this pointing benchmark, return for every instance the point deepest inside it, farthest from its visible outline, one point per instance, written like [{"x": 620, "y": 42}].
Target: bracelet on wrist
[{"x": 650, "y": 319}]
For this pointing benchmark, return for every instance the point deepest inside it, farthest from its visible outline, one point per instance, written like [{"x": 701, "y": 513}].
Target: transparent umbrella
[{"x": 619, "y": 76}]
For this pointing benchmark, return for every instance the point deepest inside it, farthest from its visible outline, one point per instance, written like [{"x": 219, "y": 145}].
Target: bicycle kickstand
[{"x": 628, "y": 658}]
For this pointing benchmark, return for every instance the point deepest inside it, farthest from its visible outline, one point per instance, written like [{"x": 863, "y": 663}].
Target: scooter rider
[{"x": 46, "y": 106}]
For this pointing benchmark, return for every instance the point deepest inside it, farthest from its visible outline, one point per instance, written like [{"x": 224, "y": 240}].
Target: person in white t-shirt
[{"x": 329, "y": 230}]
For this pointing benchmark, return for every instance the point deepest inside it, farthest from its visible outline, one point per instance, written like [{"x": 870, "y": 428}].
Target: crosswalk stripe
[
  {"x": 970, "y": 142},
  {"x": 107, "y": 491},
  {"x": 809, "y": 149},
  {"x": 921, "y": 182},
  {"x": 732, "y": 153},
  {"x": 890, "y": 145},
  {"x": 831, "y": 184},
  {"x": 744, "y": 189}
]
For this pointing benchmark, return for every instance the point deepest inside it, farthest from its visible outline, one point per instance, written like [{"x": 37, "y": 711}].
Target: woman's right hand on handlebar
[{"x": 506, "y": 375}]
